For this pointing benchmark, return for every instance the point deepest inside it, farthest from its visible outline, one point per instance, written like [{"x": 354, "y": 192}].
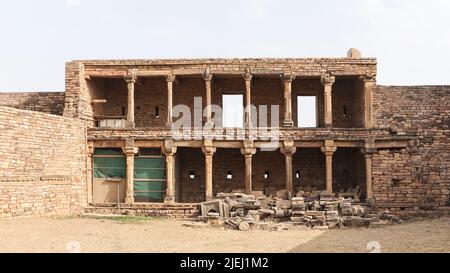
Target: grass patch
[
  {"x": 126, "y": 219},
  {"x": 64, "y": 217},
  {"x": 133, "y": 219}
]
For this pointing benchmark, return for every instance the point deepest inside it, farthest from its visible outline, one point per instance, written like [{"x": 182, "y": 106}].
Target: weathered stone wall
[
  {"x": 346, "y": 94},
  {"x": 349, "y": 170},
  {"x": 150, "y": 93},
  {"x": 78, "y": 101},
  {"x": 47, "y": 102},
  {"x": 311, "y": 165},
  {"x": 43, "y": 164},
  {"x": 416, "y": 179},
  {"x": 191, "y": 190},
  {"x": 226, "y": 160},
  {"x": 114, "y": 91},
  {"x": 185, "y": 90},
  {"x": 272, "y": 162}
]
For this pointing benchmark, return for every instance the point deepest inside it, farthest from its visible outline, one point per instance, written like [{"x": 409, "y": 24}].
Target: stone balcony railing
[{"x": 241, "y": 134}]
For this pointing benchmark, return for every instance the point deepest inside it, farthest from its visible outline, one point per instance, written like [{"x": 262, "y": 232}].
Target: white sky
[
  {"x": 233, "y": 111},
  {"x": 306, "y": 111},
  {"x": 410, "y": 38}
]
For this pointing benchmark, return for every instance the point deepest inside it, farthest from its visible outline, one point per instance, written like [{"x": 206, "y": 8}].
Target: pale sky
[{"x": 410, "y": 38}]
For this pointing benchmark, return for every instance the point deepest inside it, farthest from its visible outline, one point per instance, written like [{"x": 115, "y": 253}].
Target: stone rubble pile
[{"x": 317, "y": 210}]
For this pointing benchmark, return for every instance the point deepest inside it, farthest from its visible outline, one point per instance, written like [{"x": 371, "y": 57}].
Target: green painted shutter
[
  {"x": 149, "y": 179},
  {"x": 109, "y": 163}
]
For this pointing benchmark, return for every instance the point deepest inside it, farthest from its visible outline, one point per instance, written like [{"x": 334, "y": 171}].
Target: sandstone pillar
[
  {"x": 369, "y": 191},
  {"x": 129, "y": 151},
  {"x": 288, "y": 150},
  {"x": 248, "y": 151},
  {"x": 208, "y": 79},
  {"x": 248, "y": 83},
  {"x": 209, "y": 150},
  {"x": 287, "y": 82},
  {"x": 169, "y": 78},
  {"x": 368, "y": 152},
  {"x": 327, "y": 82},
  {"x": 328, "y": 149},
  {"x": 169, "y": 151},
  {"x": 130, "y": 79},
  {"x": 368, "y": 85}
]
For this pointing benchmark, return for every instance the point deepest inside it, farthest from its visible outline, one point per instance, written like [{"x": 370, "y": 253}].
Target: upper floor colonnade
[{"x": 365, "y": 82}]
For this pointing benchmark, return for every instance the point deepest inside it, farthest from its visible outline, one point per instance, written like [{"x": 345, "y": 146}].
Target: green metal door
[
  {"x": 149, "y": 178},
  {"x": 109, "y": 176}
]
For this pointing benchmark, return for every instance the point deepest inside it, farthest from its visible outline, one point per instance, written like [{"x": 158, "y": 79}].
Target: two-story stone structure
[{"x": 391, "y": 143}]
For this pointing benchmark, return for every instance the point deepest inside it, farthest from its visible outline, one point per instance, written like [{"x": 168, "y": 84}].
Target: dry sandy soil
[{"x": 157, "y": 235}]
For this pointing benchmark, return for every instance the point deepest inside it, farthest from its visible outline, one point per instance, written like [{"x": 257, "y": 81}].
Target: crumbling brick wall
[
  {"x": 42, "y": 164},
  {"x": 416, "y": 178},
  {"x": 47, "y": 102}
]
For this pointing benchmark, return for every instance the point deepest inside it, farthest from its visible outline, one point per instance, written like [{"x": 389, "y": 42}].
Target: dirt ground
[{"x": 159, "y": 235}]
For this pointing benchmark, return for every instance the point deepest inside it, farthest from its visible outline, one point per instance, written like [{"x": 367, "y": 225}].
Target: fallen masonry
[{"x": 316, "y": 210}]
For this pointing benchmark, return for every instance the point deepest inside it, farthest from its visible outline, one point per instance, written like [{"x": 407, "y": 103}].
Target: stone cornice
[{"x": 227, "y": 61}]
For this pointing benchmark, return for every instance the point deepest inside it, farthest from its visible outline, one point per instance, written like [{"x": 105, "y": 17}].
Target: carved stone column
[
  {"x": 248, "y": 151},
  {"x": 368, "y": 152},
  {"x": 287, "y": 82},
  {"x": 208, "y": 80},
  {"x": 169, "y": 78},
  {"x": 328, "y": 149},
  {"x": 327, "y": 82},
  {"x": 248, "y": 83},
  {"x": 209, "y": 150},
  {"x": 129, "y": 150},
  {"x": 169, "y": 151},
  {"x": 368, "y": 85},
  {"x": 130, "y": 79},
  {"x": 288, "y": 150}
]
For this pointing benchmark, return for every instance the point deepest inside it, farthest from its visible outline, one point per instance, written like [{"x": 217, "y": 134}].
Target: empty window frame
[
  {"x": 306, "y": 112},
  {"x": 233, "y": 111}
]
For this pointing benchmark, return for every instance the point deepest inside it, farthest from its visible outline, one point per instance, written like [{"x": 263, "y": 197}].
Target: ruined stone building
[{"x": 111, "y": 136}]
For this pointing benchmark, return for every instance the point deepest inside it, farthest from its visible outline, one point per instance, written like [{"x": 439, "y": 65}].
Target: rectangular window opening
[
  {"x": 306, "y": 111},
  {"x": 233, "y": 111}
]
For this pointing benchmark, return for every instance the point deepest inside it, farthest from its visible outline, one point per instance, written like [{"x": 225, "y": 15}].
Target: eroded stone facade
[{"x": 390, "y": 141}]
